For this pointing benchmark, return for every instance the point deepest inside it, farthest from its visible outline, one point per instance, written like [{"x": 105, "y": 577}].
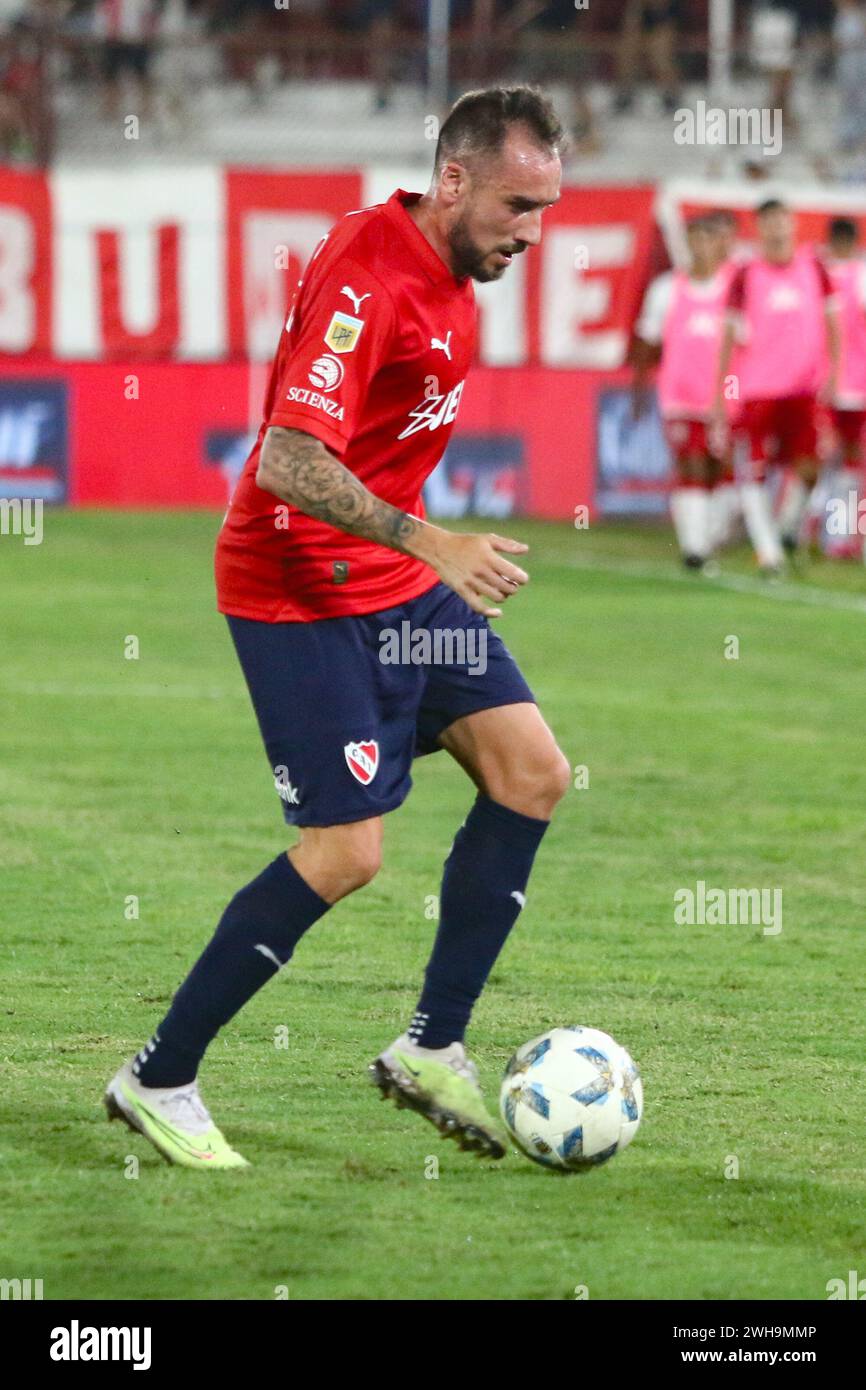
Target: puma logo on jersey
[
  {"x": 356, "y": 299},
  {"x": 433, "y": 411},
  {"x": 445, "y": 347}
]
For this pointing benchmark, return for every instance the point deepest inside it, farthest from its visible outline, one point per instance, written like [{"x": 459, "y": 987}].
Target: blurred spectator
[
  {"x": 238, "y": 24},
  {"x": 849, "y": 41},
  {"x": 380, "y": 19},
  {"x": 754, "y": 170},
  {"x": 19, "y": 87},
  {"x": 774, "y": 26},
  {"x": 79, "y": 17},
  {"x": 127, "y": 28},
  {"x": 10, "y": 10},
  {"x": 779, "y": 29},
  {"x": 384, "y": 21},
  {"x": 537, "y": 23},
  {"x": 182, "y": 25},
  {"x": 649, "y": 28}
]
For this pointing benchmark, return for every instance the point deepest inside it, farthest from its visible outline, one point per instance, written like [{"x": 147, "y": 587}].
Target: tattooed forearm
[{"x": 299, "y": 469}]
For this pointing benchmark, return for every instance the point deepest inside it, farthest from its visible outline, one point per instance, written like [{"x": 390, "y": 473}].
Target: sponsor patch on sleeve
[{"x": 343, "y": 332}]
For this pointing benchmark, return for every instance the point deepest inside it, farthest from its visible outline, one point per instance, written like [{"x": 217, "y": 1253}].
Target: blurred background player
[
  {"x": 533, "y": 23},
  {"x": 725, "y": 509},
  {"x": 128, "y": 29},
  {"x": 847, "y": 270},
  {"x": 774, "y": 26},
  {"x": 681, "y": 322},
  {"x": 725, "y": 227},
  {"x": 849, "y": 44},
  {"x": 648, "y": 35},
  {"x": 782, "y": 318}
]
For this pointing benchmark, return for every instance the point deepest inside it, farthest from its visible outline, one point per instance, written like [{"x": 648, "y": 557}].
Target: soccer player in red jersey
[
  {"x": 362, "y": 629},
  {"x": 783, "y": 318}
]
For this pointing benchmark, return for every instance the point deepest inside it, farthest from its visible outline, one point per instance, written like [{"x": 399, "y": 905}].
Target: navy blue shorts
[{"x": 345, "y": 704}]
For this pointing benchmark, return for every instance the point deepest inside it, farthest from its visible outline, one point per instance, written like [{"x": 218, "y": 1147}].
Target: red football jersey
[{"x": 371, "y": 361}]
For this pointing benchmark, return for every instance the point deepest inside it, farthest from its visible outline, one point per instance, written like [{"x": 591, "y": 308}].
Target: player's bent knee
[
  {"x": 358, "y": 859},
  {"x": 535, "y": 785},
  {"x": 363, "y": 867},
  {"x": 337, "y": 860},
  {"x": 551, "y": 778},
  {"x": 557, "y": 779}
]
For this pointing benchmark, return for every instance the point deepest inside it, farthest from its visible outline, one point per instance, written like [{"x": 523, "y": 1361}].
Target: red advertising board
[
  {"x": 274, "y": 222},
  {"x": 138, "y": 311},
  {"x": 128, "y": 265},
  {"x": 175, "y": 434}
]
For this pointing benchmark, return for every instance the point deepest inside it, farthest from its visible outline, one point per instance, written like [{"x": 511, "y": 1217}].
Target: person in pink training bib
[
  {"x": 782, "y": 314},
  {"x": 847, "y": 270},
  {"x": 726, "y": 507},
  {"x": 681, "y": 324}
]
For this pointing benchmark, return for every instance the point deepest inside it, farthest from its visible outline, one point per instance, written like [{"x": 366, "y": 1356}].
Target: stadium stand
[{"x": 250, "y": 82}]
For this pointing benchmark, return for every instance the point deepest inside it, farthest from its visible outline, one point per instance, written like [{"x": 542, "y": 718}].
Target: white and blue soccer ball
[{"x": 571, "y": 1098}]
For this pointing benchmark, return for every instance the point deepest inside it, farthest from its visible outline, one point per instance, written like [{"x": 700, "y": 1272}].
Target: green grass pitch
[{"x": 145, "y": 778}]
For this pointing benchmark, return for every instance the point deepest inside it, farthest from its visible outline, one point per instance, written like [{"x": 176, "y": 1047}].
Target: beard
[{"x": 468, "y": 257}]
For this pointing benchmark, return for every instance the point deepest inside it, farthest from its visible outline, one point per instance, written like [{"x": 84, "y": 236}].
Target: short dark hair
[
  {"x": 723, "y": 217},
  {"x": 842, "y": 229},
  {"x": 771, "y": 205},
  {"x": 479, "y": 122}
]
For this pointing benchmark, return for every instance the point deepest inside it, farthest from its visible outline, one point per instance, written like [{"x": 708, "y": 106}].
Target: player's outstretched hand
[{"x": 475, "y": 568}]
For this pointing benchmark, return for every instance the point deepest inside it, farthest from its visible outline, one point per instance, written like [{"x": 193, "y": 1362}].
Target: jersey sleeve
[
  {"x": 341, "y": 329},
  {"x": 654, "y": 311}
]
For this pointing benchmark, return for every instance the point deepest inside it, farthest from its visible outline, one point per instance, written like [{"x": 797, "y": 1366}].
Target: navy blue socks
[
  {"x": 482, "y": 893},
  {"x": 256, "y": 936}
]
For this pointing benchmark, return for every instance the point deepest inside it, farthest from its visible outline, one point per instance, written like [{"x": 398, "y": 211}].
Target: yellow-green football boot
[
  {"x": 174, "y": 1119},
  {"x": 442, "y": 1085}
]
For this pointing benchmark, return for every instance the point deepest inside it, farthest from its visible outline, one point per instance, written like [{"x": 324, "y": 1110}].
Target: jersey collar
[{"x": 436, "y": 269}]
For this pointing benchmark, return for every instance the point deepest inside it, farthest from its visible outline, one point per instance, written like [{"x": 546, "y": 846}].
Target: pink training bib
[
  {"x": 849, "y": 284},
  {"x": 690, "y": 345},
  {"x": 783, "y": 351}
]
